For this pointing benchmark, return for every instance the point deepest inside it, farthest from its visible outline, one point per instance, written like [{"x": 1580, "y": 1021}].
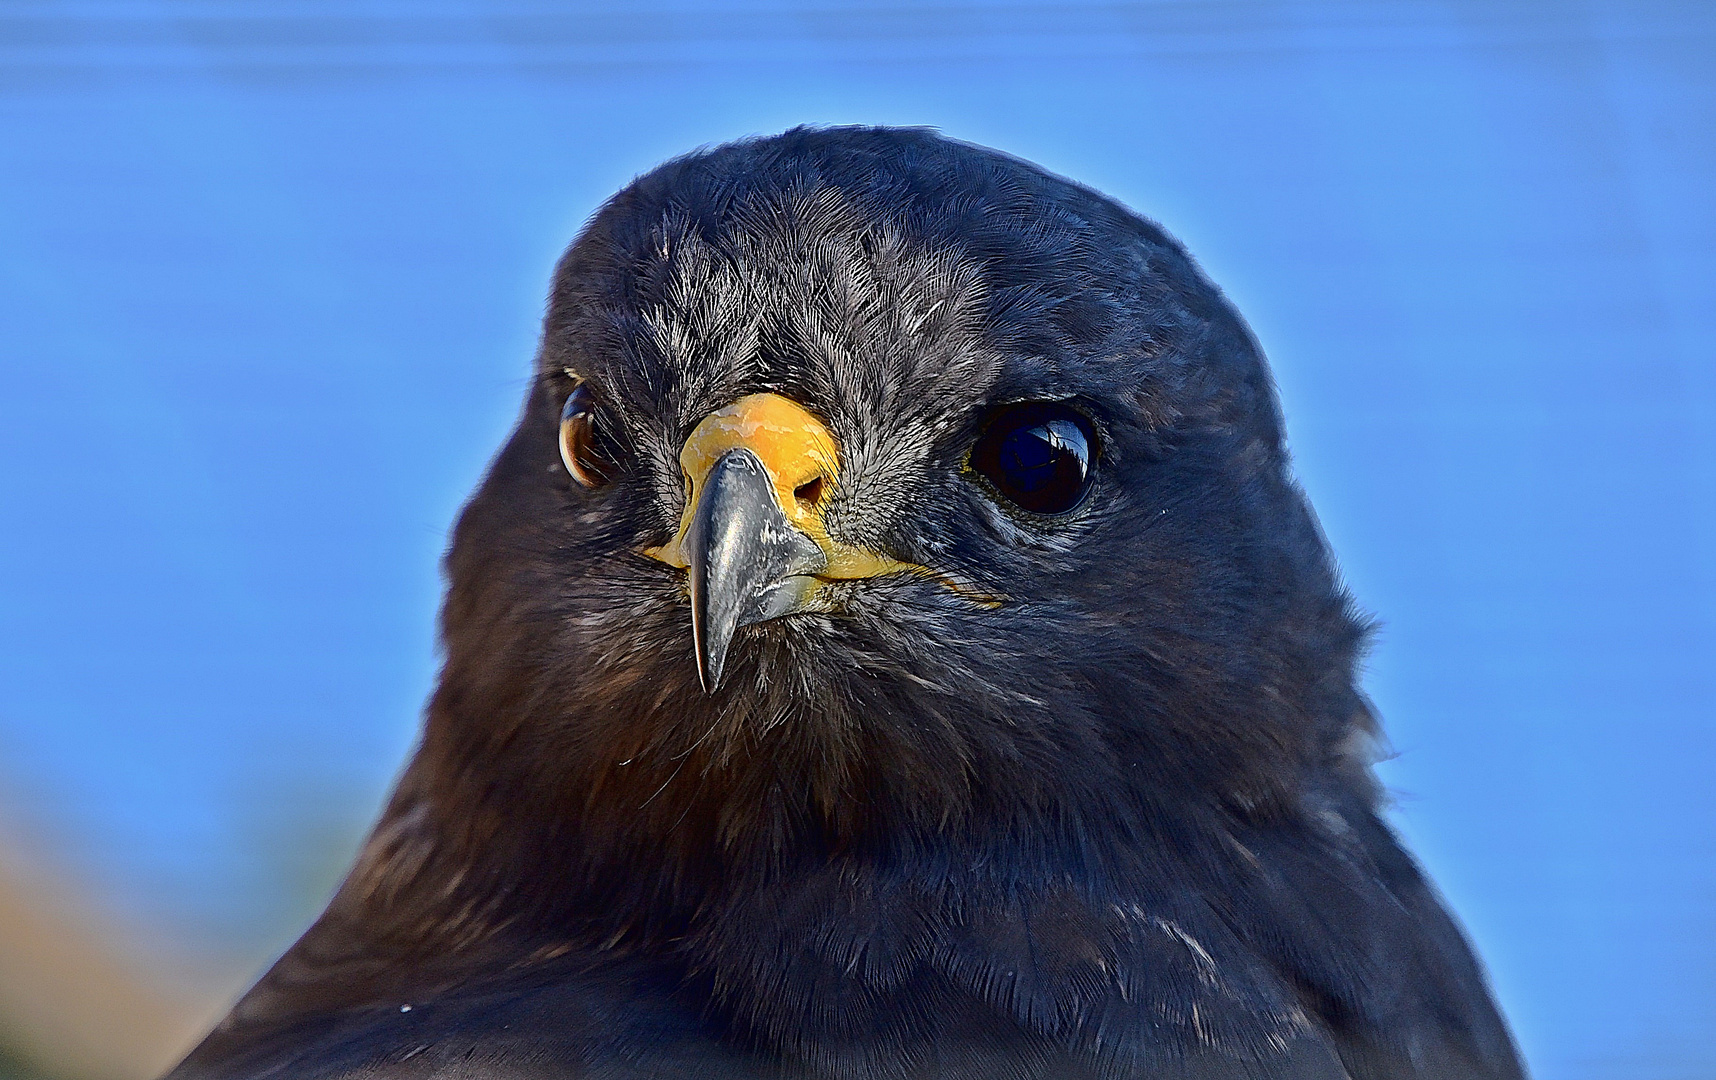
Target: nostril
[{"x": 809, "y": 492}]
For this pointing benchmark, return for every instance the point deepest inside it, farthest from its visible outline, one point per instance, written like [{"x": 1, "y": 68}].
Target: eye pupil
[
  {"x": 581, "y": 449},
  {"x": 1038, "y": 455}
]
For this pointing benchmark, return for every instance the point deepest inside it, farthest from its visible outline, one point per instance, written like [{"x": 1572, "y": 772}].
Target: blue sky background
[{"x": 270, "y": 280}]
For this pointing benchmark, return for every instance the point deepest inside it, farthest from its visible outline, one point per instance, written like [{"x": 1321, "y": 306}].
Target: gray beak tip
[{"x": 709, "y": 674}]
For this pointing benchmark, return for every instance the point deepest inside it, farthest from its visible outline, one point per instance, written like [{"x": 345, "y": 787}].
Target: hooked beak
[
  {"x": 752, "y": 536},
  {"x": 748, "y": 564}
]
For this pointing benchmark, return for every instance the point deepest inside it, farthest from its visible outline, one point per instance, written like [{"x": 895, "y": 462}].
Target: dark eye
[
  {"x": 582, "y": 446},
  {"x": 1038, "y": 454}
]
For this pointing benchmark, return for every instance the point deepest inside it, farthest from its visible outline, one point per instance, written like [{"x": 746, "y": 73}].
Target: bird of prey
[{"x": 891, "y": 645}]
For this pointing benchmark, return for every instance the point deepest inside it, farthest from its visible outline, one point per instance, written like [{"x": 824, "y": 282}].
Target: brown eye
[{"x": 582, "y": 447}]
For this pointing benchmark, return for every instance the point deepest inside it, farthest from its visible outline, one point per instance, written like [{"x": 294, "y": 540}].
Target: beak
[
  {"x": 760, "y": 472},
  {"x": 748, "y": 563}
]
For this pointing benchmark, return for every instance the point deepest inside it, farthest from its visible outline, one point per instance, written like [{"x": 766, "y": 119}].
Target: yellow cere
[{"x": 797, "y": 450}]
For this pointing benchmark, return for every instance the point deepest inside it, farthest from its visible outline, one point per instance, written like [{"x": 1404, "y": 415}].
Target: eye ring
[
  {"x": 1040, "y": 456},
  {"x": 582, "y": 448}
]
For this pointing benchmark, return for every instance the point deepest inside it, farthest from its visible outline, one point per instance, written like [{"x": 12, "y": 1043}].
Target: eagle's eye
[
  {"x": 581, "y": 444},
  {"x": 1038, "y": 455}
]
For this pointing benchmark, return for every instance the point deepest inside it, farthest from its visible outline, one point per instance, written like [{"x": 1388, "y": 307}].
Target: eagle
[{"x": 891, "y": 645}]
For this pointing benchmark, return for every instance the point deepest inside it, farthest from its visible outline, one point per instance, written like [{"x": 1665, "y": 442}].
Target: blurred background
[{"x": 270, "y": 281}]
